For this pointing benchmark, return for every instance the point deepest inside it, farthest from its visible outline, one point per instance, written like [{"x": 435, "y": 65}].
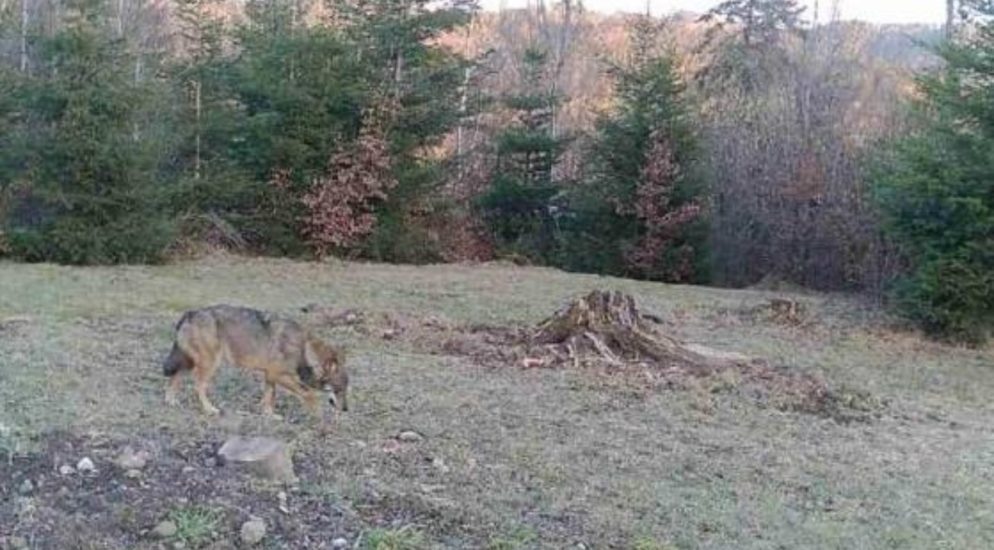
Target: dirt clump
[{"x": 605, "y": 333}]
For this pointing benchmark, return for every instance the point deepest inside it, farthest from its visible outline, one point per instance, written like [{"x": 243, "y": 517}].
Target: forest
[{"x": 750, "y": 145}]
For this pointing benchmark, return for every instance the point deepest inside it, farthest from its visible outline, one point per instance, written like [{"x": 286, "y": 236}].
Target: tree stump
[{"x": 610, "y": 325}]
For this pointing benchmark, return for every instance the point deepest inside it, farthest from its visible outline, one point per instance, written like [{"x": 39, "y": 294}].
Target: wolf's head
[{"x": 324, "y": 369}]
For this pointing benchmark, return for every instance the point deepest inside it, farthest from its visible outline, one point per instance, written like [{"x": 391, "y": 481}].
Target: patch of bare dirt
[
  {"x": 11, "y": 326},
  {"x": 607, "y": 335},
  {"x": 46, "y": 503}
]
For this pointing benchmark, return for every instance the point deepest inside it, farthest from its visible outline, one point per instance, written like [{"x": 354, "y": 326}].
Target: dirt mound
[
  {"x": 606, "y": 334},
  {"x": 51, "y": 507}
]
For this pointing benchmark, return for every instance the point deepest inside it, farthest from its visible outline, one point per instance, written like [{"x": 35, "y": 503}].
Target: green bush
[
  {"x": 88, "y": 190},
  {"x": 936, "y": 189},
  {"x": 639, "y": 211},
  {"x": 132, "y": 238},
  {"x": 518, "y": 214},
  {"x": 937, "y": 195}
]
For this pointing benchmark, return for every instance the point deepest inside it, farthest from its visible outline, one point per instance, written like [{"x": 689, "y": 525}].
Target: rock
[
  {"x": 281, "y": 497},
  {"x": 179, "y": 545},
  {"x": 18, "y": 542},
  {"x": 265, "y": 457},
  {"x": 440, "y": 465},
  {"x": 67, "y": 470},
  {"x": 339, "y": 543},
  {"x": 165, "y": 529},
  {"x": 24, "y": 506},
  {"x": 85, "y": 465},
  {"x": 188, "y": 469},
  {"x": 253, "y": 531},
  {"x": 25, "y": 487},
  {"x": 392, "y": 446},
  {"x": 409, "y": 436},
  {"x": 133, "y": 474},
  {"x": 129, "y": 459}
]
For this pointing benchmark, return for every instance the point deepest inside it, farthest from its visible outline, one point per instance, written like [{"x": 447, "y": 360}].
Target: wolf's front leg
[
  {"x": 172, "y": 389},
  {"x": 269, "y": 399},
  {"x": 308, "y": 397},
  {"x": 201, "y": 389}
]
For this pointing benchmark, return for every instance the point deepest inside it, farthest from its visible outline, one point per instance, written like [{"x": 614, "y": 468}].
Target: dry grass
[{"x": 517, "y": 458}]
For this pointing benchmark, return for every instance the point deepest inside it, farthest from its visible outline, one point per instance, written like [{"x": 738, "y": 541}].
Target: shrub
[{"x": 936, "y": 189}]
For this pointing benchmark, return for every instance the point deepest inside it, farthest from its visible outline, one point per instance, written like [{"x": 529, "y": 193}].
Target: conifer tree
[
  {"x": 639, "y": 212},
  {"x": 936, "y": 189},
  {"x": 91, "y": 193},
  {"x": 518, "y": 207}
]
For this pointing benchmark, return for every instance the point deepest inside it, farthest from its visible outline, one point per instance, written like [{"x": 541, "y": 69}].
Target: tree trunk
[
  {"x": 562, "y": 47},
  {"x": 24, "y": 36},
  {"x": 197, "y": 110},
  {"x": 463, "y": 109},
  {"x": 611, "y": 326},
  {"x": 950, "y": 18},
  {"x": 120, "y": 18}
]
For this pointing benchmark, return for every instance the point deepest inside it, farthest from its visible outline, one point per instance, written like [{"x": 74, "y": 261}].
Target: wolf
[{"x": 278, "y": 347}]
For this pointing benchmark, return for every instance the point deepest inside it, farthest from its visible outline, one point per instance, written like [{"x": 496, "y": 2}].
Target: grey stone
[
  {"x": 409, "y": 436},
  {"x": 265, "y": 457},
  {"x": 85, "y": 465},
  {"x": 165, "y": 529},
  {"x": 253, "y": 531},
  {"x": 440, "y": 465},
  {"x": 26, "y": 487},
  {"x": 129, "y": 459}
]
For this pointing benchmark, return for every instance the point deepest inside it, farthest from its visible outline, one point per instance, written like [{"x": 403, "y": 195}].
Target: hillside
[{"x": 509, "y": 457}]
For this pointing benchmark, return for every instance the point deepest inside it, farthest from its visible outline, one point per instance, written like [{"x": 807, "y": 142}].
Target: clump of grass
[
  {"x": 11, "y": 443},
  {"x": 519, "y": 538},
  {"x": 195, "y": 525},
  {"x": 404, "y": 538},
  {"x": 646, "y": 543}
]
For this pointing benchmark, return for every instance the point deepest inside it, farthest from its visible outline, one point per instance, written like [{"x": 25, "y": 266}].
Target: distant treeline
[{"x": 747, "y": 144}]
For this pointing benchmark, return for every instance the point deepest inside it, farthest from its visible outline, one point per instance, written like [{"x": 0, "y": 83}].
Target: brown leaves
[
  {"x": 663, "y": 222},
  {"x": 340, "y": 203}
]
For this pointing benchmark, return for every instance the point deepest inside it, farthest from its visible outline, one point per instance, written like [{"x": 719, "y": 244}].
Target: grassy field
[{"x": 511, "y": 458}]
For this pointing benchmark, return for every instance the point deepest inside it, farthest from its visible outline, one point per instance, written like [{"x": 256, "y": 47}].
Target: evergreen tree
[
  {"x": 937, "y": 191},
  {"x": 298, "y": 92},
  {"x": 198, "y": 76},
  {"x": 761, "y": 22},
  {"x": 518, "y": 207},
  {"x": 639, "y": 211},
  {"x": 749, "y": 39},
  {"x": 90, "y": 192},
  {"x": 414, "y": 87}
]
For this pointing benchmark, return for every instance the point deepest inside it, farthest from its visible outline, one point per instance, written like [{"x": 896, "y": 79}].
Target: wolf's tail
[{"x": 176, "y": 361}]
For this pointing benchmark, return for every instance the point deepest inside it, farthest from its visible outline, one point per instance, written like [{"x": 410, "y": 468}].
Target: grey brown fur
[{"x": 278, "y": 347}]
